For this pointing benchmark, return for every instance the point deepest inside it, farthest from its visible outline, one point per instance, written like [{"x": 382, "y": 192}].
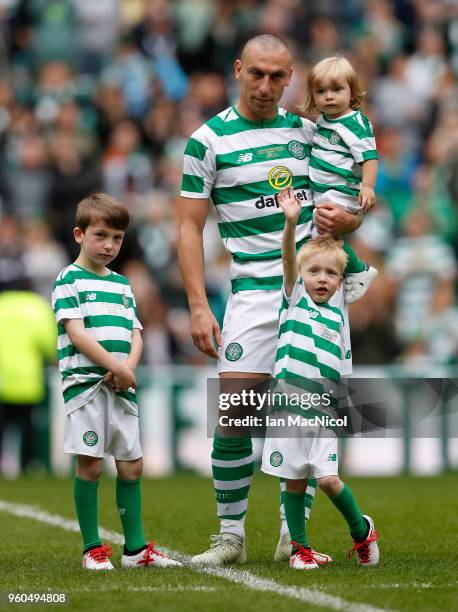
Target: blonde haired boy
[{"x": 308, "y": 359}]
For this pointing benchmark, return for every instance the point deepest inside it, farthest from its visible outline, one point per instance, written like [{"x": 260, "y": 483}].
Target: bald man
[{"x": 241, "y": 159}]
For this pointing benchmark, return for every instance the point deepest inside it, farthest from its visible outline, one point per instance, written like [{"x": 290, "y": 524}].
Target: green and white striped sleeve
[
  {"x": 65, "y": 299},
  {"x": 199, "y": 170},
  {"x": 362, "y": 142},
  {"x": 136, "y": 323}
]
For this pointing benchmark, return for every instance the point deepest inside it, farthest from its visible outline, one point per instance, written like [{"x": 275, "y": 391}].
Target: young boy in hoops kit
[
  {"x": 309, "y": 357},
  {"x": 99, "y": 347}
]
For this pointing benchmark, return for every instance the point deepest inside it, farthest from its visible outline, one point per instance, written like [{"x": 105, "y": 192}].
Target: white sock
[{"x": 236, "y": 527}]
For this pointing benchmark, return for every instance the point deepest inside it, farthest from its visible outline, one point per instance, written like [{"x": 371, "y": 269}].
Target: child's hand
[
  {"x": 290, "y": 204},
  {"x": 366, "y": 198},
  {"x": 108, "y": 379},
  {"x": 123, "y": 378}
]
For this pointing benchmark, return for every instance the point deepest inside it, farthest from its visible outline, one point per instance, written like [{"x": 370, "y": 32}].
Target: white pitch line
[
  {"x": 409, "y": 585},
  {"x": 146, "y": 589},
  {"x": 123, "y": 588},
  {"x": 241, "y": 577}
]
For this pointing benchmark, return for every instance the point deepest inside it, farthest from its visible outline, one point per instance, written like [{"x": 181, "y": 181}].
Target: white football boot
[
  {"x": 367, "y": 552},
  {"x": 302, "y": 559},
  {"x": 98, "y": 558},
  {"x": 224, "y": 548},
  {"x": 357, "y": 284},
  {"x": 284, "y": 550},
  {"x": 148, "y": 557}
]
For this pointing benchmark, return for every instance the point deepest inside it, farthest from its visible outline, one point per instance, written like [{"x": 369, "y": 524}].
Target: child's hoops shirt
[{"x": 107, "y": 308}]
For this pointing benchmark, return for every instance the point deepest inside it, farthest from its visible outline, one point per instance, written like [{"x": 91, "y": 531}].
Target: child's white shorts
[
  {"x": 250, "y": 332},
  {"x": 350, "y": 203},
  {"x": 101, "y": 427},
  {"x": 300, "y": 456}
]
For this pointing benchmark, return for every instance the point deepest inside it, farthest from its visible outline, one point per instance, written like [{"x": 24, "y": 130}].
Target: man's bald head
[
  {"x": 263, "y": 70},
  {"x": 265, "y": 42}
]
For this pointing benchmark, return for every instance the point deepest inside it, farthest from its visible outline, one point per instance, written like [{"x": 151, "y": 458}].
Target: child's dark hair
[{"x": 100, "y": 207}]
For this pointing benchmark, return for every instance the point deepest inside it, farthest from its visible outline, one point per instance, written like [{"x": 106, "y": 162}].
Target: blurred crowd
[{"x": 102, "y": 95}]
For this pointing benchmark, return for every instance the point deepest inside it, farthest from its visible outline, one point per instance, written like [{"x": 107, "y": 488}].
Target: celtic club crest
[
  {"x": 234, "y": 351},
  {"x": 334, "y": 138},
  {"x": 296, "y": 149},
  {"x": 90, "y": 438},
  {"x": 276, "y": 459}
]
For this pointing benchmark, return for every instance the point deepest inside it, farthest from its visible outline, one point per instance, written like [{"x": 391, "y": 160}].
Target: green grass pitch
[{"x": 416, "y": 518}]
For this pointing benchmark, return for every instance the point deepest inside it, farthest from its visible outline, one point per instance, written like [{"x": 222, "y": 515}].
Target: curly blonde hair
[
  {"x": 322, "y": 244},
  {"x": 330, "y": 69}
]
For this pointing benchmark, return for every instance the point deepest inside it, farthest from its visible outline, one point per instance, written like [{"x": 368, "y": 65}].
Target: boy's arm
[
  {"x": 288, "y": 251},
  {"x": 136, "y": 347},
  {"x": 291, "y": 207},
  {"x": 88, "y": 346},
  {"x": 367, "y": 195}
]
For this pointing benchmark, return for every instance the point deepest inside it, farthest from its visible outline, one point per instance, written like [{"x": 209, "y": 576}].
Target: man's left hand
[{"x": 335, "y": 220}]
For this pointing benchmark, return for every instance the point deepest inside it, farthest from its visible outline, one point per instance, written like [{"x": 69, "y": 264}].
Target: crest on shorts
[
  {"x": 125, "y": 300},
  {"x": 276, "y": 459},
  {"x": 296, "y": 149},
  {"x": 90, "y": 438},
  {"x": 334, "y": 138},
  {"x": 233, "y": 351}
]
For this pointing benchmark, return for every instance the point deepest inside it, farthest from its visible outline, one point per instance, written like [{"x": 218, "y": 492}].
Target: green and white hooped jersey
[
  {"x": 107, "y": 307},
  {"x": 339, "y": 147},
  {"x": 242, "y": 165},
  {"x": 310, "y": 346}
]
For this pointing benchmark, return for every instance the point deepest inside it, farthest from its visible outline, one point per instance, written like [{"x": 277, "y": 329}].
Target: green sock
[
  {"x": 85, "y": 496},
  {"x": 354, "y": 263},
  {"x": 129, "y": 502},
  {"x": 346, "y": 504},
  {"x": 294, "y": 510},
  {"x": 308, "y": 501},
  {"x": 309, "y": 497}
]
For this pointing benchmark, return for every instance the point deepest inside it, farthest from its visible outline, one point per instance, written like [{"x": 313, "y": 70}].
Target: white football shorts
[
  {"x": 300, "y": 456},
  {"x": 250, "y": 332},
  {"x": 103, "y": 427},
  {"x": 350, "y": 203}
]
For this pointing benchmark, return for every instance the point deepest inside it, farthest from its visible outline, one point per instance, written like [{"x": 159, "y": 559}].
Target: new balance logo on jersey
[
  {"x": 314, "y": 314},
  {"x": 91, "y": 297},
  {"x": 243, "y": 158},
  {"x": 268, "y": 202}
]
